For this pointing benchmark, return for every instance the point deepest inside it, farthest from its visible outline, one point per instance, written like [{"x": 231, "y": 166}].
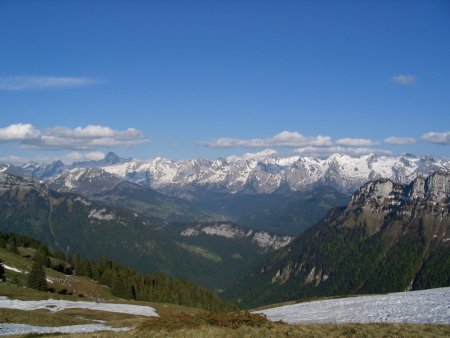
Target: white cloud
[
  {"x": 290, "y": 139},
  {"x": 11, "y": 159},
  {"x": 323, "y": 152},
  {"x": 438, "y": 138},
  {"x": 399, "y": 140},
  {"x": 355, "y": 142},
  {"x": 19, "y": 131},
  {"x": 77, "y": 156},
  {"x": 404, "y": 80},
  {"x": 68, "y": 158},
  {"x": 63, "y": 138},
  {"x": 16, "y": 83},
  {"x": 257, "y": 155}
]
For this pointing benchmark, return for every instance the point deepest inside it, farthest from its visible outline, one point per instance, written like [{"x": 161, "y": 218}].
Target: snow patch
[
  {"x": 265, "y": 240},
  {"x": 7, "y": 329},
  {"x": 101, "y": 215},
  {"x": 223, "y": 230},
  {"x": 11, "y": 268},
  {"x": 54, "y": 305},
  {"x": 425, "y": 306},
  {"x": 190, "y": 232},
  {"x": 83, "y": 201}
]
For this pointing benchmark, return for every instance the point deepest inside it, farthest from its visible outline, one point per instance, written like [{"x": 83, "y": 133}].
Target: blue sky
[{"x": 183, "y": 79}]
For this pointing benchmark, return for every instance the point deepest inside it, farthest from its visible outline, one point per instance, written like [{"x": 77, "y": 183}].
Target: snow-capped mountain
[
  {"x": 268, "y": 175},
  {"x": 44, "y": 171},
  {"x": 11, "y": 169},
  {"x": 85, "y": 181},
  {"x": 271, "y": 174}
]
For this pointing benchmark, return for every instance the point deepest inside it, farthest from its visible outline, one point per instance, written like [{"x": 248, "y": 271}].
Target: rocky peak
[
  {"x": 10, "y": 181},
  {"x": 11, "y": 169},
  {"x": 417, "y": 189},
  {"x": 437, "y": 186},
  {"x": 377, "y": 193},
  {"x": 111, "y": 158}
]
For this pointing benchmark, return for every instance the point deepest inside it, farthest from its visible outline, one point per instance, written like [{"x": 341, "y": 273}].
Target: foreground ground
[
  {"x": 201, "y": 324},
  {"x": 281, "y": 330},
  {"x": 181, "y": 321}
]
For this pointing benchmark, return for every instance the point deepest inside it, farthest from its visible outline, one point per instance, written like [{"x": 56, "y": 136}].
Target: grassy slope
[{"x": 78, "y": 285}]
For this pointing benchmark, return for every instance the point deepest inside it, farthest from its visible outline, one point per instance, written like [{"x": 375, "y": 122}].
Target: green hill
[{"x": 97, "y": 280}]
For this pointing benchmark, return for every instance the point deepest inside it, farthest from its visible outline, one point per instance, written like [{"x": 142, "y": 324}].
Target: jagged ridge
[{"x": 266, "y": 175}]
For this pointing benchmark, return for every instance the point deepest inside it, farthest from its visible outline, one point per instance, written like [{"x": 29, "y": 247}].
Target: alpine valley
[{"x": 285, "y": 195}]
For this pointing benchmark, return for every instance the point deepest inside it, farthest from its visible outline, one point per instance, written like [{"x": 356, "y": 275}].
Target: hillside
[
  {"x": 390, "y": 237},
  {"x": 81, "y": 304},
  {"x": 102, "y": 280}
]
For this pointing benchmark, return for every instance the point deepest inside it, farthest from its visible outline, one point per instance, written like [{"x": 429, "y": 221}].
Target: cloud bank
[
  {"x": 356, "y": 142},
  {"x": 399, "y": 140},
  {"x": 90, "y": 137},
  {"x": 284, "y": 139},
  {"x": 437, "y": 138},
  {"x": 319, "y": 145}
]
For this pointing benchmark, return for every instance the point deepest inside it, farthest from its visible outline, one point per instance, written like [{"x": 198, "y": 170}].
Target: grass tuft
[{"x": 232, "y": 320}]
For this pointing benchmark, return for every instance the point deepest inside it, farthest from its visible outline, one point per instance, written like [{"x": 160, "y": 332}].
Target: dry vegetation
[{"x": 248, "y": 325}]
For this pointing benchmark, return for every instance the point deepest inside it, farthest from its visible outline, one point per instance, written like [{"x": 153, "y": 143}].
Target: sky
[{"x": 184, "y": 79}]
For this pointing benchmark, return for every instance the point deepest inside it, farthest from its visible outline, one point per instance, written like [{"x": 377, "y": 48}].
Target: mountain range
[
  {"x": 265, "y": 175},
  {"x": 213, "y": 221},
  {"x": 283, "y": 195}
]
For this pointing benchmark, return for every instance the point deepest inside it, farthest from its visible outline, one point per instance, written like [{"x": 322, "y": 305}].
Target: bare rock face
[
  {"x": 437, "y": 187},
  {"x": 378, "y": 196},
  {"x": 383, "y": 194}
]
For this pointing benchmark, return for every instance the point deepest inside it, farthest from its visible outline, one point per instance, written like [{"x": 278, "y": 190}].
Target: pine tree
[
  {"x": 2, "y": 272},
  {"x": 12, "y": 246},
  {"x": 36, "y": 277}
]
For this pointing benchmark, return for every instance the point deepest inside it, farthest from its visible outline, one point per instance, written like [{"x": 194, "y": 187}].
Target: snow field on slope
[
  {"x": 54, "y": 305},
  {"x": 22, "y": 329},
  {"x": 425, "y": 306}
]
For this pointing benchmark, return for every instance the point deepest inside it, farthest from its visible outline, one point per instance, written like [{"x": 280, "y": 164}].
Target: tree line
[{"x": 123, "y": 281}]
